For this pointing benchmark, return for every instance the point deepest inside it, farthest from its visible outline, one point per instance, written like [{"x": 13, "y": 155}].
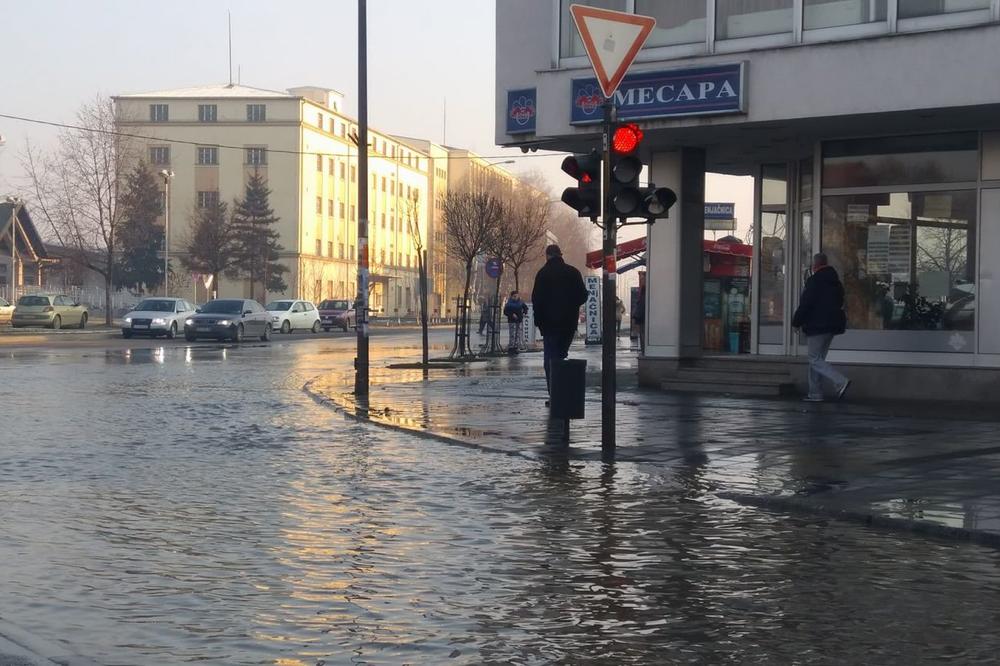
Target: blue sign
[
  {"x": 720, "y": 211},
  {"x": 493, "y": 267},
  {"x": 521, "y": 112},
  {"x": 664, "y": 94}
]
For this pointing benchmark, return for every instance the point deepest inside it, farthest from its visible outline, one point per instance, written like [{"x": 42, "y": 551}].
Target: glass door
[{"x": 771, "y": 257}]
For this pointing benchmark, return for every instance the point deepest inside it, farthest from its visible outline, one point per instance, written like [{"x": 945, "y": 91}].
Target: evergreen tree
[
  {"x": 138, "y": 266},
  {"x": 210, "y": 245},
  {"x": 256, "y": 247}
]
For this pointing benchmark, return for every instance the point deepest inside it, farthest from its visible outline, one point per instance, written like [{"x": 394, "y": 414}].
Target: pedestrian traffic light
[
  {"x": 626, "y": 198},
  {"x": 656, "y": 201},
  {"x": 585, "y": 198}
]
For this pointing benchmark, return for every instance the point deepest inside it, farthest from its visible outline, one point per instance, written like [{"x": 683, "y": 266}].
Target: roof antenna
[{"x": 230, "y": 49}]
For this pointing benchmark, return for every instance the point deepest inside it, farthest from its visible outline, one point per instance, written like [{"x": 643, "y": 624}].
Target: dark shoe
[
  {"x": 547, "y": 403},
  {"x": 843, "y": 390},
  {"x": 812, "y": 398}
]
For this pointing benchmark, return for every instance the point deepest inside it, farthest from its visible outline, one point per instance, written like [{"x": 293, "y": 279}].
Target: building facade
[{"x": 872, "y": 129}]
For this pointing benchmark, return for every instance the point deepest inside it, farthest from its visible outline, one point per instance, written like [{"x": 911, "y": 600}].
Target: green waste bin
[{"x": 569, "y": 385}]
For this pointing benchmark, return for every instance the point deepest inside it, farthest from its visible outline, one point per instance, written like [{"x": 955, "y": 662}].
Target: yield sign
[{"x": 612, "y": 40}]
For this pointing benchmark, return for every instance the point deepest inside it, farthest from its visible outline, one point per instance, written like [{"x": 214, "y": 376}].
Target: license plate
[
  {"x": 203, "y": 329},
  {"x": 140, "y": 326}
]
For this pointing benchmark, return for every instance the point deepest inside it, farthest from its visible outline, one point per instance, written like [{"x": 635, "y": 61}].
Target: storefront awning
[{"x": 638, "y": 246}]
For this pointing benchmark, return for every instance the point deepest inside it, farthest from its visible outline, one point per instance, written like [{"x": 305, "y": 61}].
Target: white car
[
  {"x": 157, "y": 316},
  {"x": 6, "y": 311},
  {"x": 288, "y": 315}
]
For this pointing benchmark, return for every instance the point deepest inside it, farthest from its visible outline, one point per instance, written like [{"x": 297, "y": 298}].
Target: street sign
[
  {"x": 593, "y": 314},
  {"x": 612, "y": 41},
  {"x": 493, "y": 267}
]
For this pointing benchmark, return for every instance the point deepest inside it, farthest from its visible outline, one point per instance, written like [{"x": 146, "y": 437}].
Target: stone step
[
  {"x": 750, "y": 365},
  {"x": 684, "y": 386},
  {"x": 728, "y": 376}
]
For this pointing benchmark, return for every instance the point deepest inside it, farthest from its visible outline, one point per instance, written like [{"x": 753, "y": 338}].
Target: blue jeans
[
  {"x": 555, "y": 346},
  {"x": 818, "y": 346}
]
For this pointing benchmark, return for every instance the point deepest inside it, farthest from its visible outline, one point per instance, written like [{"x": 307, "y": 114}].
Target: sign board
[
  {"x": 493, "y": 267},
  {"x": 612, "y": 40},
  {"x": 720, "y": 216},
  {"x": 521, "y": 112},
  {"x": 720, "y": 225},
  {"x": 528, "y": 326},
  {"x": 593, "y": 310},
  {"x": 691, "y": 91}
]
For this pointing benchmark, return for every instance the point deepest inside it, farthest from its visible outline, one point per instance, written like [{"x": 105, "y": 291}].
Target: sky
[{"x": 423, "y": 56}]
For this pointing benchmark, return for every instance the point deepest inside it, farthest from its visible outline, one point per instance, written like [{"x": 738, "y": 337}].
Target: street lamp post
[{"x": 166, "y": 174}]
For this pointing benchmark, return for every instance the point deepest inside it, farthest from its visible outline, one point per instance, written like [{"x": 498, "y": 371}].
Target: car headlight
[
  {"x": 159, "y": 320},
  {"x": 189, "y": 322},
  {"x": 225, "y": 322},
  {"x": 275, "y": 318},
  {"x": 128, "y": 320}
]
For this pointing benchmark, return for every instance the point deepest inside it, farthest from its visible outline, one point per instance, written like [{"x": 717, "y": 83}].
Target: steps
[{"x": 737, "y": 375}]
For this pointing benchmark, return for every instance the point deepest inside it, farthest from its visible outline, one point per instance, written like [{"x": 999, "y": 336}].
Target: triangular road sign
[{"x": 612, "y": 40}]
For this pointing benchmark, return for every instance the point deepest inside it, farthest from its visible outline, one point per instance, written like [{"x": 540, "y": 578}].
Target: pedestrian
[
  {"x": 515, "y": 310},
  {"x": 556, "y": 298},
  {"x": 619, "y": 314},
  {"x": 485, "y": 316},
  {"x": 821, "y": 316}
]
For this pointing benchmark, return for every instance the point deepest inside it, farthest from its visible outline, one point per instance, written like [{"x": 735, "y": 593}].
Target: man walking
[
  {"x": 515, "y": 310},
  {"x": 821, "y": 316},
  {"x": 558, "y": 294}
]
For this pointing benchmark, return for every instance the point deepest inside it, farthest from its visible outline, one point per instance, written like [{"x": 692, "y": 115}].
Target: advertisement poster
[{"x": 593, "y": 310}]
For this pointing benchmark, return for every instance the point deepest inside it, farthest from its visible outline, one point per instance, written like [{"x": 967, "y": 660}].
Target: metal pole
[
  {"x": 13, "y": 254},
  {"x": 166, "y": 234},
  {"x": 608, "y": 373},
  {"x": 361, "y": 362}
]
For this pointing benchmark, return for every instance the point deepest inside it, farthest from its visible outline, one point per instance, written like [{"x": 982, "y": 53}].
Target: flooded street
[{"x": 182, "y": 504}]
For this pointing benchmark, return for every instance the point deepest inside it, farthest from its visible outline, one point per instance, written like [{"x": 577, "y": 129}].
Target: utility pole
[
  {"x": 166, "y": 175},
  {"x": 361, "y": 307}
]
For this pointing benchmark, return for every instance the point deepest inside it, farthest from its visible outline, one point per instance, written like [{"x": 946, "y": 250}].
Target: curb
[
  {"x": 922, "y": 527},
  {"x": 19, "y": 648}
]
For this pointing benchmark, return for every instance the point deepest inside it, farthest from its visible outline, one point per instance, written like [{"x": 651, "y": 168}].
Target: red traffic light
[{"x": 626, "y": 138}]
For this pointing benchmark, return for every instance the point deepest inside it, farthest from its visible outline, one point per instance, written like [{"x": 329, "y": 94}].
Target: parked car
[
  {"x": 6, "y": 311},
  {"x": 49, "y": 310},
  {"x": 229, "y": 319},
  {"x": 337, "y": 313},
  {"x": 288, "y": 315},
  {"x": 157, "y": 316}
]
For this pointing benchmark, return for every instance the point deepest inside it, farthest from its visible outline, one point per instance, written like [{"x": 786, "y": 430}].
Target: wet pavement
[{"x": 194, "y": 503}]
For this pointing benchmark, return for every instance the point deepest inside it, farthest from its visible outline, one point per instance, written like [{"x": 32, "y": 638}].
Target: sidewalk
[{"x": 898, "y": 465}]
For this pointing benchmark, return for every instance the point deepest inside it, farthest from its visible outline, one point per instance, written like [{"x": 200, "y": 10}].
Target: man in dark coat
[
  {"x": 821, "y": 316},
  {"x": 558, "y": 294}
]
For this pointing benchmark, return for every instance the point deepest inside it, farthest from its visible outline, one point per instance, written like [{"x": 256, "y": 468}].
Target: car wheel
[
  {"x": 83, "y": 321},
  {"x": 286, "y": 327},
  {"x": 190, "y": 337},
  {"x": 56, "y": 323},
  {"x": 126, "y": 334},
  {"x": 267, "y": 333},
  {"x": 238, "y": 334},
  {"x": 315, "y": 327},
  {"x": 172, "y": 331}
]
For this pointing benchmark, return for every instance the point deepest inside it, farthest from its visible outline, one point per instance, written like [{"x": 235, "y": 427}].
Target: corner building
[{"x": 872, "y": 130}]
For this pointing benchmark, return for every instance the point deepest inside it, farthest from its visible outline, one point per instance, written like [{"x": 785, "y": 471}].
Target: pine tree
[
  {"x": 138, "y": 267},
  {"x": 255, "y": 239},
  {"x": 210, "y": 246}
]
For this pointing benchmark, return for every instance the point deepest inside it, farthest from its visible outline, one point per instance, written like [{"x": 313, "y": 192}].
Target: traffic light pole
[
  {"x": 610, "y": 281},
  {"x": 361, "y": 304}
]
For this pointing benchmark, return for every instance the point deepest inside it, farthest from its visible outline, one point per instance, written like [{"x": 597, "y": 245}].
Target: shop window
[
  {"x": 773, "y": 242},
  {"x": 906, "y": 258},
  {"x": 833, "y": 13},
  {"x": 677, "y": 22},
  {"x": 749, "y": 18},
  {"x": 915, "y": 8},
  {"x": 570, "y": 43},
  {"x": 939, "y": 158}
]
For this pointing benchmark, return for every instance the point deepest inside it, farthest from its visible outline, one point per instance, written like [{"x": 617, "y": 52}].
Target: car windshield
[
  {"x": 223, "y": 307},
  {"x": 333, "y": 305},
  {"x": 33, "y": 300},
  {"x": 155, "y": 305},
  {"x": 278, "y": 306}
]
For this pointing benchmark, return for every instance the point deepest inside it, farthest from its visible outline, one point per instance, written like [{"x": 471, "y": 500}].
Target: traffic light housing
[
  {"x": 628, "y": 198},
  {"x": 585, "y": 198}
]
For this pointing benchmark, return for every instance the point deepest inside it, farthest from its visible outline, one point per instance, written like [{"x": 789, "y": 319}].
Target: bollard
[{"x": 569, "y": 383}]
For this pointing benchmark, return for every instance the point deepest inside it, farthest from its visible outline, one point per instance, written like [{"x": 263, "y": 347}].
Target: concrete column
[{"x": 674, "y": 267}]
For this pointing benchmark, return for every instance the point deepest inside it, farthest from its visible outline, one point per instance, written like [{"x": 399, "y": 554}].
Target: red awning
[
  {"x": 638, "y": 246},
  {"x": 726, "y": 247}
]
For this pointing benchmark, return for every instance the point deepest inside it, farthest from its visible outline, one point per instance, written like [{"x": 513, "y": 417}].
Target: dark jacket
[
  {"x": 558, "y": 294},
  {"x": 821, "y": 308},
  {"x": 514, "y": 310}
]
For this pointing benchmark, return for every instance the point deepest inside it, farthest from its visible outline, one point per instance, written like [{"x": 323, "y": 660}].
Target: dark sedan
[
  {"x": 336, "y": 313},
  {"x": 229, "y": 319}
]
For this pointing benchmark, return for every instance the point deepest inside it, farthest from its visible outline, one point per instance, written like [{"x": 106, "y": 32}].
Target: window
[
  {"x": 208, "y": 155},
  {"x": 256, "y": 156},
  {"x": 208, "y": 113},
  {"x": 354, "y": 212},
  {"x": 352, "y": 252},
  {"x": 831, "y": 13},
  {"x": 329, "y": 207},
  {"x": 342, "y": 171},
  {"x": 383, "y": 220},
  {"x": 319, "y": 163},
  {"x": 341, "y": 210},
  {"x": 332, "y": 126},
  {"x": 319, "y": 120},
  {"x": 319, "y": 205},
  {"x": 747, "y": 18},
  {"x": 329, "y": 248},
  {"x": 340, "y": 250},
  {"x": 331, "y": 166},
  {"x": 319, "y": 247},
  {"x": 940, "y": 158},
  {"x": 677, "y": 22},
  {"x": 208, "y": 199},
  {"x": 159, "y": 155},
  {"x": 159, "y": 113},
  {"x": 383, "y": 183},
  {"x": 915, "y": 8},
  {"x": 354, "y": 174},
  {"x": 256, "y": 113},
  {"x": 343, "y": 130}
]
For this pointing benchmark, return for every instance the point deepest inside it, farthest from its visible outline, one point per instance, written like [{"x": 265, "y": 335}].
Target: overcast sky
[{"x": 60, "y": 53}]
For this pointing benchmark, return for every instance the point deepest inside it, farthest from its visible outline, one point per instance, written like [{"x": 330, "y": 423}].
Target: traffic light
[
  {"x": 629, "y": 199},
  {"x": 585, "y": 198}
]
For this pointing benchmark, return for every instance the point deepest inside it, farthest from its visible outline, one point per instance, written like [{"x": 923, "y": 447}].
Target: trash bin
[{"x": 569, "y": 384}]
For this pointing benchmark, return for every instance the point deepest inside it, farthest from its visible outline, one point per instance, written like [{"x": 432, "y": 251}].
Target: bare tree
[
  {"x": 77, "y": 188},
  {"x": 526, "y": 225},
  {"x": 470, "y": 219},
  {"x": 411, "y": 210}
]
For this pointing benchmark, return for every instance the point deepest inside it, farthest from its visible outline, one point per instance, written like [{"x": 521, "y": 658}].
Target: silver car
[
  {"x": 50, "y": 311},
  {"x": 157, "y": 316}
]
